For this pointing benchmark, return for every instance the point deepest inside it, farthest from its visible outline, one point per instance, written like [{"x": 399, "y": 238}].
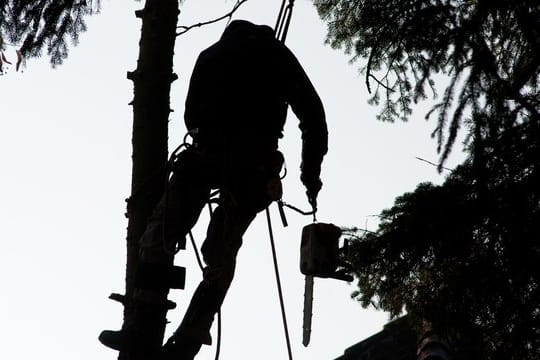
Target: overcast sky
[{"x": 65, "y": 157}]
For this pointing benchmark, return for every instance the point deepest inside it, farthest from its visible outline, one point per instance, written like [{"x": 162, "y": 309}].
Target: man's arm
[
  {"x": 308, "y": 107},
  {"x": 193, "y": 105}
]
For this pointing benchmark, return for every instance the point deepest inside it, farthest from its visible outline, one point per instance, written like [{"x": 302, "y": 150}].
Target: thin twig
[
  {"x": 185, "y": 29},
  {"x": 368, "y": 69},
  {"x": 354, "y": 230},
  {"x": 430, "y": 163},
  {"x": 389, "y": 89}
]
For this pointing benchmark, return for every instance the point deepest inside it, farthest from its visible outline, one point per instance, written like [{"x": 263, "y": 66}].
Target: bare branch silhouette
[
  {"x": 185, "y": 29},
  {"x": 432, "y": 163}
]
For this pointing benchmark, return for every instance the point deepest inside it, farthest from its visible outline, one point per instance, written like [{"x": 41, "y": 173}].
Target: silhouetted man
[{"x": 235, "y": 109}]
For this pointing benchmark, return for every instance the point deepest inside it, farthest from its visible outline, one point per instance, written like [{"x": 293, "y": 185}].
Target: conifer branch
[{"x": 386, "y": 87}]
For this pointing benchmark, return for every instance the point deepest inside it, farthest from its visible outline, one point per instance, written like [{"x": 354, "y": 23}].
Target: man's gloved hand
[{"x": 313, "y": 186}]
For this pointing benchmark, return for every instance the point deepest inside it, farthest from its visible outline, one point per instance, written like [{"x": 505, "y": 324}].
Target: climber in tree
[{"x": 235, "y": 110}]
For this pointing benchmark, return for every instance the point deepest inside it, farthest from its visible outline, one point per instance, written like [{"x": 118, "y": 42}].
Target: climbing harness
[{"x": 170, "y": 166}]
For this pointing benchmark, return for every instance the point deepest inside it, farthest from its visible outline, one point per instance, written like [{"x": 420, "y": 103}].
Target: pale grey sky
[{"x": 65, "y": 157}]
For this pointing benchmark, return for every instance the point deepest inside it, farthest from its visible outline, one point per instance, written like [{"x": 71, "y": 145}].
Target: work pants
[{"x": 244, "y": 192}]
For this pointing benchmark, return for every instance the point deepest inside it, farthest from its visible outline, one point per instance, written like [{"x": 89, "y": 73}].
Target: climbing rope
[
  {"x": 278, "y": 281},
  {"x": 284, "y": 19},
  {"x": 281, "y": 29}
]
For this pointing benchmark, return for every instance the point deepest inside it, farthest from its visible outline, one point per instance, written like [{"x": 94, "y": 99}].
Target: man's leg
[
  {"x": 224, "y": 238},
  {"x": 176, "y": 213},
  {"x": 247, "y": 193}
]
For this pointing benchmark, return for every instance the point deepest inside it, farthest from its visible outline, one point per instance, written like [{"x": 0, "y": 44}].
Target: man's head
[{"x": 246, "y": 29}]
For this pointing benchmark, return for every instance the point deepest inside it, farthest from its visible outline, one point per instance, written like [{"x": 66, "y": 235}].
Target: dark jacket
[{"x": 239, "y": 92}]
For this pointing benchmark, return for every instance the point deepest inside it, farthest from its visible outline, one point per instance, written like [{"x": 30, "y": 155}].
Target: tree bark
[{"x": 151, "y": 107}]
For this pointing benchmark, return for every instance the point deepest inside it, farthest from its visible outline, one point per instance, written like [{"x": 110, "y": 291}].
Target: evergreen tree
[
  {"x": 489, "y": 50},
  {"x": 40, "y": 25},
  {"x": 465, "y": 261},
  {"x": 463, "y": 255}
]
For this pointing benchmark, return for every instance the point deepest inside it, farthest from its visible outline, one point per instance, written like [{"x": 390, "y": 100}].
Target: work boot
[
  {"x": 180, "y": 348},
  {"x": 121, "y": 340},
  {"x": 145, "y": 333}
]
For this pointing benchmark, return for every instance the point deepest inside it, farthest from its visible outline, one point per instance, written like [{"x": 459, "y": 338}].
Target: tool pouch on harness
[
  {"x": 160, "y": 276},
  {"x": 320, "y": 254},
  {"x": 274, "y": 187}
]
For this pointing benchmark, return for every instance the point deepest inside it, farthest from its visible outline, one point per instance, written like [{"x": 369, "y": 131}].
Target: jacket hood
[{"x": 246, "y": 29}]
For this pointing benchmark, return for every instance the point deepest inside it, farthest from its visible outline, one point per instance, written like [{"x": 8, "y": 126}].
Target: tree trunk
[{"x": 151, "y": 107}]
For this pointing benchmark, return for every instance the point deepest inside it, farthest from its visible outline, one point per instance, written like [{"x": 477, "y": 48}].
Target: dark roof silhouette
[{"x": 397, "y": 341}]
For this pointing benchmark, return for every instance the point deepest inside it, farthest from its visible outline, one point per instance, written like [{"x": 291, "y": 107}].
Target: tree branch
[
  {"x": 512, "y": 87},
  {"x": 185, "y": 29},
  {"x": 368, "y": 69},
  {"x": 431, "y": 163},
  {"x": 389, "y": 89}
]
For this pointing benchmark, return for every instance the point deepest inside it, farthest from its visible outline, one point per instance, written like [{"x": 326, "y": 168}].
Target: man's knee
[
  {"x": 220, "y": 275},
  {"x": 154, "y": 247}
]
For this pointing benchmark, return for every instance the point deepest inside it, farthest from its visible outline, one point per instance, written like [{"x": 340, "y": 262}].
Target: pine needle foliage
[
  {"x": 463, "y": 255},
  {"x": 488, "y": 50},
  {"x": 45, "y": 25}
]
